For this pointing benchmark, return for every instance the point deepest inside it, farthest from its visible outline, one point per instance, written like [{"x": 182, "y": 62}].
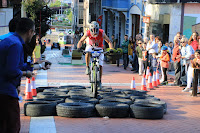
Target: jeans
[
  {"x": 177, "y": 67},
  {"x": 140, "y": 66},
  {"x": 165, "y": 73},
  {"x": 125, "y": 60}
]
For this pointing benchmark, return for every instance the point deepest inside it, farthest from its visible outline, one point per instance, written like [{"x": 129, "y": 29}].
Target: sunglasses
[
  {"x": 139, "y": 43},
  {"x": 182, "y": 42}
]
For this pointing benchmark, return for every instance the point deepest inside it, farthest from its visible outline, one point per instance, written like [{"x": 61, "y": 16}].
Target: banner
[{"x": 99, "y": 20}]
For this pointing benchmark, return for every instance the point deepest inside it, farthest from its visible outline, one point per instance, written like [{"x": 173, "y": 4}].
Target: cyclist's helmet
[{"x": 94, "y": 28}]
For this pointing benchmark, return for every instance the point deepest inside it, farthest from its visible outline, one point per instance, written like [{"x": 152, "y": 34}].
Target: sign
[
  {"x": 146, "y": 19},
  {"x": 99, "y": 20}
]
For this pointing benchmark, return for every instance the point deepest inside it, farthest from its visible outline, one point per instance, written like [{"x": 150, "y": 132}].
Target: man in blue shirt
[{"x": 12, "y": 66}]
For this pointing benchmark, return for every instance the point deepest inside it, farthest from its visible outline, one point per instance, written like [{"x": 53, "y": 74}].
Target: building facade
[
  {"x": 167, "y": 17},
  {"x": 123, "y": 17}
]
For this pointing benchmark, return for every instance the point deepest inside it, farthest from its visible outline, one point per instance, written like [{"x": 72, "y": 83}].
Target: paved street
[{"x": 182, "y": 116}]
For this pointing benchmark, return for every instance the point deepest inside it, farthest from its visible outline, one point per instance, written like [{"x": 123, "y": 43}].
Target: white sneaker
[
  {"x": 186, "y": 90},
  {"x": 87, "y": 71}
]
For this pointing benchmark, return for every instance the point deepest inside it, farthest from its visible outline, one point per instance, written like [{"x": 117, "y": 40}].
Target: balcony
[
  {"x": 120, "y": 3},
  {"x": 107, "y": 3}
]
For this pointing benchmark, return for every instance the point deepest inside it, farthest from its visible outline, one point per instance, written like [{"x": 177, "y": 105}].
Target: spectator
[
  {"x": 11, "y": 56},
  {"x": 158, "y": 57},
  {"x": 145, "y": 56},
  {"x": 186, "y": 51},
  {"x": 176, "y": 57},
  {"x": 139, "y": 55},
  {"x": 131, "y": 51},
  {"x": 164, "y": 63},
  {"x": 146, "y": 40},
  {"x": 195, "y": 63},
  {"x": 193, "y": 41},
  {"x": 125, "y": 51},
  {"x": 179, "y": 36},
  {"x": 152, "y": 45},
  {"x": 114, "y": 42},
  {"x": 12, "y": 27},
  {"x": 36, "y": 52},
  {"x": 171, "y": 45}
]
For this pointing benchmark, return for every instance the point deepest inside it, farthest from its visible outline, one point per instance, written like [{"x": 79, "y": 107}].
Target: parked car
[{"x": 55, "y": 45}]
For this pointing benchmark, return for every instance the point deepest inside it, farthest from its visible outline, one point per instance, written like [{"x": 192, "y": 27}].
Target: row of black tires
[
  {"x": 116, "y": 103},
  {"x": 151, "y": 110}
]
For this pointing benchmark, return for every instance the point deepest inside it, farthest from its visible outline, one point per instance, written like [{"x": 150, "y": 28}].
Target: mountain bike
[{"x": 94, "y": 76}]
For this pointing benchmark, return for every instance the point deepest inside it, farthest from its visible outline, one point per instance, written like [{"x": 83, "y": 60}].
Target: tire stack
[{"x": 77, "y": 102}]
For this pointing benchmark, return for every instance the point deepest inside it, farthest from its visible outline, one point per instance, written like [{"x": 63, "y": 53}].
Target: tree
[
  {"x": 57, "y": 3},
  {"x": 39, "y": 12}
]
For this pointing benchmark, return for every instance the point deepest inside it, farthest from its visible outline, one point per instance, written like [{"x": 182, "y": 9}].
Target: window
[
  {"x": 80, "y": 0},
  {"x": 80, "y": 21}
]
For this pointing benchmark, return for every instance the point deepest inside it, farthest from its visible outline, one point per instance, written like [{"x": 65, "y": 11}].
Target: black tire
[
  {"x": 95, "y": 84},
  {"x": 56, "y": 90},
  {"x": 133, "y": 98},
  {"x": 112, "y": 110},
  {"x": 83, "y": 100},
  {"x": 146, "y": 111},
  {"x": 145, "y": 101},
  {"x": 116, "y": 96},
  {"x": 39, "y": 108},
  {"x": 119, "y": 91},
  {"x": 41, "y": 89},
  {"x": 71, "y": 87},
  {"x": 75, "y": 110},
  {"x": 43, "y": 95},
  {"x": 117, "y": 100},
  {"x": 56, "y": 100}
]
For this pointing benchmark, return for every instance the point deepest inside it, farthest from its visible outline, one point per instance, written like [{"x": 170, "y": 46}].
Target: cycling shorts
[{"x": 101, "y": 57}]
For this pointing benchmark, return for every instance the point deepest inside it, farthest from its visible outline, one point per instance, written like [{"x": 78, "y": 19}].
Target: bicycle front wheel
[{"x": 95, "y": 81}]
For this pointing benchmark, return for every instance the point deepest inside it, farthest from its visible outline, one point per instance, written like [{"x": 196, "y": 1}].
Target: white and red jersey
[{"x": 96, "y": 41}]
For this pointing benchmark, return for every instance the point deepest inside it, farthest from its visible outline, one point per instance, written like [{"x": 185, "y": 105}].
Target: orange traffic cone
[
  {"x": 26, "y": 86},
  {"x": 133, "y": 84},
  {"x": 157, "y": 77},
  {"x": 143, "y": 85},
  {"x": 28, "y": 94},
  {"x": 150, "y": 86},
  {"x": 33, "y": 88},
  {"x": 147, "y": 72},
  {"x": 154, "y": 79}
]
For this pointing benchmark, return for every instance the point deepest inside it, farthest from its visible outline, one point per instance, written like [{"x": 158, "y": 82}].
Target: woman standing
[
  {"x": 193, "y": 41},
  {"x": 131, "y": 51}
]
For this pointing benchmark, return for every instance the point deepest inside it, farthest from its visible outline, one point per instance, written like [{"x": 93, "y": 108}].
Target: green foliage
[
  {"x": 119, "y": 50},
  {"x": 57, "y": 3},
  {"x": 70, "y": 16},
  {"x": 35, "y": 10},
  {"x": 32, "y": 6}
]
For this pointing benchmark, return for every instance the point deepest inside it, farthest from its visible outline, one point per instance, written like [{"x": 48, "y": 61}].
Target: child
[
  {"x": 139, "y": 55},
  {"x": 145, "y": 56},
  {"x": 37, "y": 52},
  {"x": 164, "y": 63}
]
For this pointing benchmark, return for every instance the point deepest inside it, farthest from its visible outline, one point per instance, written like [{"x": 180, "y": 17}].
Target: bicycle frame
[{"x": 95, "y": 72}]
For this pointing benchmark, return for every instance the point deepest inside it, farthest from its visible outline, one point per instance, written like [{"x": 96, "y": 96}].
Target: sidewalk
[{"x": 182, "y": 116}]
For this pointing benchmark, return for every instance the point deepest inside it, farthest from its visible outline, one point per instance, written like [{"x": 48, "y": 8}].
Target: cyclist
[{"x": 96, "y": 37}]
